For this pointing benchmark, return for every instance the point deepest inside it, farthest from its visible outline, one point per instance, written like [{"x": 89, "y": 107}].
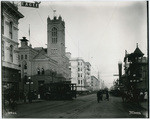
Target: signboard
[{"x": 30, "y": 4}]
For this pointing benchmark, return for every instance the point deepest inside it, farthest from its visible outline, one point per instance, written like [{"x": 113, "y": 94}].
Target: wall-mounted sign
[{"x": 30, "y": 4}]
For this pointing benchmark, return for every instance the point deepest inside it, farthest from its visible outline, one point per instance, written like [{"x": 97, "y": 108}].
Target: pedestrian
[
  {"x": 107, "y": 96},
  {"x": 99, "y": 96},
  {"x": 24, "y": 97}
]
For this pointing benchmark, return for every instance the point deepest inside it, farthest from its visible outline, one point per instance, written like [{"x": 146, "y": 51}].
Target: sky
[{"x": 99, "y": 32}]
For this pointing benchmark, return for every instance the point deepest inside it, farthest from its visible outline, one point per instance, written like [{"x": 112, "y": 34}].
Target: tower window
[{"x": 54, "y": 35}]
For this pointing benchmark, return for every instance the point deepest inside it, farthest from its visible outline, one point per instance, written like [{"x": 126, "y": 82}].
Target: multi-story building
[
  {"x": 95, "y": 83},
  {"x": 88, "y": 75},
  {"x": 9, "y": 40},
  {"x": 80, "y": 73}
]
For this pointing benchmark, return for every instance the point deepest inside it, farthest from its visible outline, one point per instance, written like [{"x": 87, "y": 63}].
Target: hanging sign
[{"x": 30, "y": 4}]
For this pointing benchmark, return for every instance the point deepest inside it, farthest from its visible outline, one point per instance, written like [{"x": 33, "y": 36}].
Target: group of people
[
  {"x": 100, "y": 95},
  {"x": 133, "y": 96}
]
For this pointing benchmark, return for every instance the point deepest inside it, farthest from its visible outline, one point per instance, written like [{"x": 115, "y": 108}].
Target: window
[
  {"x": 78, "y": 63},
  {"x": 3, "y": 52},
  {"x": 11, "y": 30},
  {"x": 11, "y": 53},
  {"x": 78, "y": 75},
  {"x": 78, "y": 81},
  {"x": 38, "y": 71},
  {"x": 81, "y": 75},
  {"x": 81, "y": 81},
  {"x": 78, "y": 69},
  {"x": 43, "y": 71},
  {"x": 18, "y": 57},
  {"x": 25, "y": 66},
  {"x": 25, "y": 56},
  {"x": 54, "y": 35},
  {"x": 22, "y": 57},
  {"x": 2, "y": 24}
]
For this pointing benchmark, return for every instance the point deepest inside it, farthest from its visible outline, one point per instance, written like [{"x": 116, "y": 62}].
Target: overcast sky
[{"x": 99, "y": 32}]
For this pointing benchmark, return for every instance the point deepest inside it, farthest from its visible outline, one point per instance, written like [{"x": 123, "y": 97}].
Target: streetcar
[{"x": 58, "y": 91}]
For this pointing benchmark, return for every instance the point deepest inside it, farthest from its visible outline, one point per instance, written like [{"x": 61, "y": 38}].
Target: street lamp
[{"x": 30, "y": 98}]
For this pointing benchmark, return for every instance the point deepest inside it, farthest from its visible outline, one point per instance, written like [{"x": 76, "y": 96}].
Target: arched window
[
  {"x": 25, "y": 66},
  {"x": 42, "y": 70},
  {"x": 54, "y": 35},
  {"x": 11, "y": 53},
  {"x": 38, "y": 71}
]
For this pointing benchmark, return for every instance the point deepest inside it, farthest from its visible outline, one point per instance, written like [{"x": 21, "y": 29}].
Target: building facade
[
  {"x": 95, "y": 83},
  {"x": 136, "y": 71},
  {"x": 36, "y": 65},
  {"x": 80, "y": 73},
  {"x": 9, "y": 40}
]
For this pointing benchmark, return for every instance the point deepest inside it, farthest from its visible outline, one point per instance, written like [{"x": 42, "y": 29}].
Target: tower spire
[{"x": 136, "y": 45}]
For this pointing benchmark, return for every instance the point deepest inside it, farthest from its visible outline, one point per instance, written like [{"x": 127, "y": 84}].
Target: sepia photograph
[{"x": 75, "y": 59}]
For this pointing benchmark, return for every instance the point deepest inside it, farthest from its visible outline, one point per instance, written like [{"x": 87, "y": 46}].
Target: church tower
[
  {"x": 56, "y": 44},
  {"x": 56, "y": 37}
]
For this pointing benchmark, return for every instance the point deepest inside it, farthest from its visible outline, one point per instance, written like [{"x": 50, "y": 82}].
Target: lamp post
[{"x": 29, "y": 78}]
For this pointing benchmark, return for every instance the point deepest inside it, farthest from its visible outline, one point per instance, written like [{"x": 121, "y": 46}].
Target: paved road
[{"x": 82, "y": 107}]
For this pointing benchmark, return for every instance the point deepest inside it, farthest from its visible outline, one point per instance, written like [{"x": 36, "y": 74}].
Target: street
[{"x": 82, "y": 107}]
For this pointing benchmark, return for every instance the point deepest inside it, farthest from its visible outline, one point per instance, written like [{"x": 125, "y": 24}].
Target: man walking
[{"x": 99, "y": 96}]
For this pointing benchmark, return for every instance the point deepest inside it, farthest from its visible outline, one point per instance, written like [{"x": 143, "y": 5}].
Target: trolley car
[{"x": 58, "y": 91}]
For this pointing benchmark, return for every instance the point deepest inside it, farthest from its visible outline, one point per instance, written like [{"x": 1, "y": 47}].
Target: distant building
[
  {"x": 80, "y": 73},
  {"x": 88, "y": 75},
  {"x": 95, "y": 83},
  {"x": 9, "y": 47}
]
